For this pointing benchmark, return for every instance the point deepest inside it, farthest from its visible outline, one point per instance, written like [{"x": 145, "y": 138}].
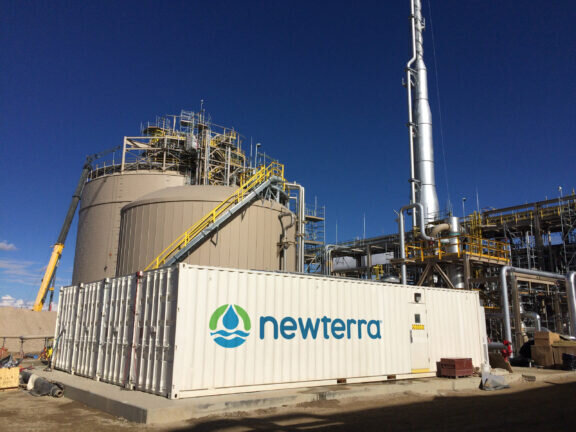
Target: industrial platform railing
[
  {"x": 262, "y": 174},
  {"x": 544, "y": 210},
  {"x": 457, "y": 247}
]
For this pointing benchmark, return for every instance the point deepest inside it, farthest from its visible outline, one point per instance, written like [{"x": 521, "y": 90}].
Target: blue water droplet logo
[
  {"x": 230, "y": 319},
  {"x": 224, "y": 325}
]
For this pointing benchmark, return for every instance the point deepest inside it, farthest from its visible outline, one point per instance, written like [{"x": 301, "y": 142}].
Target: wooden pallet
[
  {"x": 457, "y": 376},
  {"x": 8, "y": 389},
  {"x": 9, "y": 378}
]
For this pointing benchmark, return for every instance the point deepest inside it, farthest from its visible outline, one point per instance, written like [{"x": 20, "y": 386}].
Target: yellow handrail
[
  {"x": 524, "y": 215},
  {"x": 463, "y": 244},
  {"x": 274, "y": 169}
]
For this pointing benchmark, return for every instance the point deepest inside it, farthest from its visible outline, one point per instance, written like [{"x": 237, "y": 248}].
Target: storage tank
[
  {"x": 99, "y": 218},
  {"x": 253, "y": 239}
]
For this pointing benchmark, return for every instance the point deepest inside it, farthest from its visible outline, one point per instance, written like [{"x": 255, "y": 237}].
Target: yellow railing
[
  {"x": 415, "y": 252},
  {"x": 543, "y": 213},
  {"x": 263, "y": 173},
  {"x": 457, "y": 246}
]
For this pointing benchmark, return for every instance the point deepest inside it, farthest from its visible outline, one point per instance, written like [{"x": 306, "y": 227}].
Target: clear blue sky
[{"x": 317, "y": 83}]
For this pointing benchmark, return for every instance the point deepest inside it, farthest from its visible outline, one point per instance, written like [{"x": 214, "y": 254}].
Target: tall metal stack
[{"x": 422, "y": 180}]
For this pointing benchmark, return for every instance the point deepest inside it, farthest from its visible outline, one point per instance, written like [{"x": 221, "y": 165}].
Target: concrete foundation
[{"x": 150, "y": 409}]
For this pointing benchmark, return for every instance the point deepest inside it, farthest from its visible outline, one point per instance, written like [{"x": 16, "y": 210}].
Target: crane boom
[
  {"x": 50, "y": 273},
  {"x": 59, "y": 246}
]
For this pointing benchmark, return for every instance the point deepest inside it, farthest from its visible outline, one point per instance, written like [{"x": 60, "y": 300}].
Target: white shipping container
[{"x": 190, "y": 331}]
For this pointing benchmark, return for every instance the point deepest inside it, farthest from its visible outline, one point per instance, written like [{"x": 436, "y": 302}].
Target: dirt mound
[{"x": 16, "y": 322}]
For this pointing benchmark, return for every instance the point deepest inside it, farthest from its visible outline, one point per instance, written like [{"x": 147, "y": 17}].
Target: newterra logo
[
  {"x": 323, "y": 328},
  {"x": 226, "y": 320},
  {"x": 228, "y": 316}
]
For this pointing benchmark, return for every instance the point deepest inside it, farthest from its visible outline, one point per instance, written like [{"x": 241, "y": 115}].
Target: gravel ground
[{"x": 544, "y": 405}]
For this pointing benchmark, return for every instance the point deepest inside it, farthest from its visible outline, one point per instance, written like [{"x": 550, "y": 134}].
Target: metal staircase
[{"x": 266, "y": 177}]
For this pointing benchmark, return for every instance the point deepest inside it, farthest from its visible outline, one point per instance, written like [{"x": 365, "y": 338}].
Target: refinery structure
[
  {"x": 187, "y": 197},
  {"x": 533, "y": 244},
  {"x": 175, "y": 194}
]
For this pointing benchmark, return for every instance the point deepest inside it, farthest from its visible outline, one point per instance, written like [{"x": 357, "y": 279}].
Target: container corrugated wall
[
  {"x": 120, "y": 331},
  {"x": 450, "y": 314},
  {"x": 155, "y": 332},
  {"x": 165, "y": 331},
  {"x": 117, "y": 323},
  {"x": 287, "y": 361}
]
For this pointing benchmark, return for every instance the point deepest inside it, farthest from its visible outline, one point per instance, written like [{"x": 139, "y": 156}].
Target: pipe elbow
[{"x": 439, "y": 228}]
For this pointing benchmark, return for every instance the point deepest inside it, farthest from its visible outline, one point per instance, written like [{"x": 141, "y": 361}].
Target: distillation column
[
  {"x": 422, "y": 178},
  {"x": 423, "y": 183}
]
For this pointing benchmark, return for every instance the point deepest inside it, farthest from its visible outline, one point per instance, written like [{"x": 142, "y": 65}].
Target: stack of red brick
[{"x": 456, "y": 367}]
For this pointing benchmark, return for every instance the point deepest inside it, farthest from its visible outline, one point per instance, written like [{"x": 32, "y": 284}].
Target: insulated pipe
[
  {"x": 301, "y": 222},
  {"x": 504, "y": 292},
  {"x": 410, "y": 118},
  {"x": 420, "y": 214},
  {"x": 571, "y": 291},
  {"x": 40, "y": 386},
  {"x": 302, "y": 216},
  {"x": 536, "y": 319},
  {"x": 328, "y": 258},
  {"x": 284, "y": 228},
  {"x": 439, "y": 228},
  {"x": 492, "y": 346}
]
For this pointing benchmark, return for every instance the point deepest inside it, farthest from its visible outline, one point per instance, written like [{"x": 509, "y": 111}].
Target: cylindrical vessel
[
  {"x": 252, "y": 239},
  {"x": 420, "y": 123},
  {"x": 99, "y": 218},
  {"x": 455, "y": 271}
]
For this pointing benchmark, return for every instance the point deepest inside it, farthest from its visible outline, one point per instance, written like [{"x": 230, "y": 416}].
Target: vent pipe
[{"x": 422, "y": 181}]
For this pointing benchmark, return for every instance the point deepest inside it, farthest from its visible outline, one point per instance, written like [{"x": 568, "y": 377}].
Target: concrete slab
[{"x": 151, "y": 409}]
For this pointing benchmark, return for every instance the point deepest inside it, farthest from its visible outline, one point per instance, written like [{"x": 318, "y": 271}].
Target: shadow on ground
[{"x": 544, "y": 407}]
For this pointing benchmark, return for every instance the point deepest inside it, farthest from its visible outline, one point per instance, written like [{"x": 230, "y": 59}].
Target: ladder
[{"x": 266, "y": 177}]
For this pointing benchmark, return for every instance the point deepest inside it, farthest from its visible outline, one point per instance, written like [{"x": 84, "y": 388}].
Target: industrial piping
[
  {"x": 571, "y": 291},
  {"x": 410, "y": 118},
  {"x": 284, "y": 229},
  {"x": 536, "y": 319},
  {"x": 504, "y": 292},
  {"x": 301, "y": 222},
  {"x": 439, "y": 228},
  {"x": 328, "y": 258},
  {"x": 401, "y": 233}
]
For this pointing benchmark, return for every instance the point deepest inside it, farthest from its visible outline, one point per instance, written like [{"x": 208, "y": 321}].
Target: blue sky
[{"x": 317, "y": 83}]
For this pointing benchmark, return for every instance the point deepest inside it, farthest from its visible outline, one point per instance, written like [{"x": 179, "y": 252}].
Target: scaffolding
[
  {"x": 314, "y": 237},
  {"x": 188, "y": 143},
  {"x": 542, "y": 234},
  {"x": 369, "y": 258}
]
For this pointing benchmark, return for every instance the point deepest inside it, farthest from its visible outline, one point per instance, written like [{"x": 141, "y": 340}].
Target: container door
[{"x": 420, "y": 357}]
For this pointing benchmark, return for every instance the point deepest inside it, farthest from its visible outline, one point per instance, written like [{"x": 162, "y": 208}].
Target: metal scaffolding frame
[{"x": 188, "y": 143}]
